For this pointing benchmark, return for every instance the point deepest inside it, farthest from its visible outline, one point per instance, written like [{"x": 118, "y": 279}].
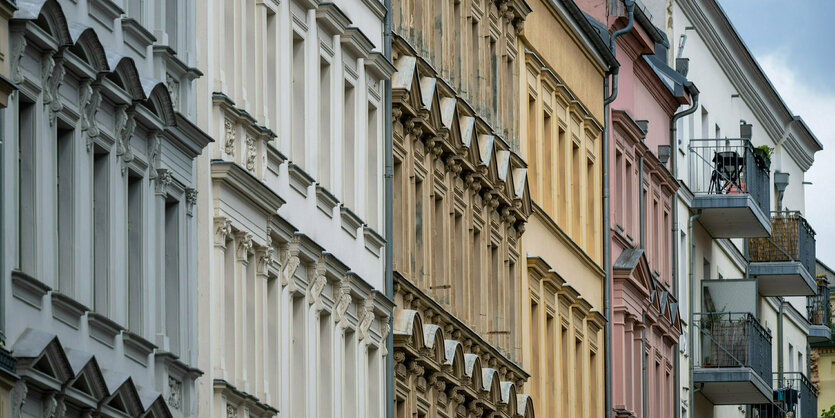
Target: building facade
[
  {"x": 460, "y": 204},
  {"x": 99, "y": 218},
  {"x": 746, "y": 256},
  {"x": 561, "y": 121},
  {"x": 292, "y": 318}
]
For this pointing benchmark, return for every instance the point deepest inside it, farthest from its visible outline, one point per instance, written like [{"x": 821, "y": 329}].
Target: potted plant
[
  {"x": 762, "y": 156},
  {"x": 707, "y": 363}
]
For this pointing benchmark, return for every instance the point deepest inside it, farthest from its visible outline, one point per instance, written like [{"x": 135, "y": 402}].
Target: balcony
[
  {"x": 784, "y": 264},
  {"x": 820, "y": 313},
  {"x": 734, "y": 365},
  {"x": 794, "y": 396},
  {"x": 730, "y": 187}
]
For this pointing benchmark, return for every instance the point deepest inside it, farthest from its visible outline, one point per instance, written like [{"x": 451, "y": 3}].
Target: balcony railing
[
  {"x": 794, "y": 396},
  {"x": 792, "y": 239},
  {"x": 734, "y": 340},
  {"x": 818, "y": 305},
  {"x": 728, "y": 167}
]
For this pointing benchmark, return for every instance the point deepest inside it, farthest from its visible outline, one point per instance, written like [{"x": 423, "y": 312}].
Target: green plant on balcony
[
  {"x": 830, "y": 413},
  {"x": 762, "y": 155}
]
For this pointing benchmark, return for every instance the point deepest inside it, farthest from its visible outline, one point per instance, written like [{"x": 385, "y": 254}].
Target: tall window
[
  {"x": 101, "y": 231},
  {"x": 65, "y": 195},
  {"x": 172, "y": 274},
  {"x": 135, "y": 10},
  {"x": 476, "y": 279},
  {"x": 298, "y": 125},
  {"x": 458, "y": 248},
  {"x": 348, "y": 145},
  {"x": 271, "y": 76},
  {"x": 439, "y": 253},
  {"x": 576, "y": 161},
  {"x": 562, "y": 195},
  {"x": 566, "y": 370},
  {"x": 536, "y": 342},
  {"x": 398, "y": 210},
  {"x": 325, "y": 365},
  {"x": 374, "y": 388},
  {"x": 547, "y": 164},
  {"x": 349, "y": 375},
  {"x": 298, "y": 362},
  {"x": 26, "y": 187},
  {"x": 474, "y": 64},
  {"x": 171, "y": 19},
  {"x": 417, "y": 262},
  {"x": 550, "y": 374},
  {"x": 496, "y": 317},
  {"x": 323, "y": 163},
  {"x": 135, "y": 253},
  {"x": 372, "y": 175},
  {"x": 533, "y": 153}
]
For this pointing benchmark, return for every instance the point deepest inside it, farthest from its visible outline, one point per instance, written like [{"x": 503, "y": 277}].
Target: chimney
[
  {"x": 744, "y": 129},
  {"x": 683, "y": 66}
]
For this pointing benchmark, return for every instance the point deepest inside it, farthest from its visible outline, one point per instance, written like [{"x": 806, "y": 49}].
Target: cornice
[
  {"x": 247, "y": 185},
  {"x": 566, "y": 239}
]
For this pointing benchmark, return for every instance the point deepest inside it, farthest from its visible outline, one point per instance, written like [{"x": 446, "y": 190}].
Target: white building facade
[
  {"x": 725, "y": 220},
  {"x": 100, "y": 216},
  {"x": 292, "y": 315}
]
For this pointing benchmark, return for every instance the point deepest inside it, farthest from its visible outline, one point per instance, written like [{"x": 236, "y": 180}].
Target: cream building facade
[
  {"x": 99, "y": 218},
  {"x": 561, "y": 117},
  {"x": 292, "y": 318},
  {"x": 460, "y": 205}
]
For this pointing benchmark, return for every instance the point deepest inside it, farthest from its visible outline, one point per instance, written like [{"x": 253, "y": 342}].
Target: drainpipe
[
  {"x": 642, "y": 205},
  {"x": 780, "y": 342},
  {"x": 607, "y": 248},
  {"x": 694, "y": 93},
  {"x": 644, "y": 364},
  {"x": 389, "y": 175},
  {"x": 690, "y": 327}
]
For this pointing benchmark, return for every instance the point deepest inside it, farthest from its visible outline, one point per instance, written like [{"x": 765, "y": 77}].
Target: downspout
[
  {"x": 644, "y": 364},
  {"x": 780, "y": 342},
  {"x": 389, "y": 175},
  {"x": 690, "y": 325},
  {"x": 642, "y": 205},
  {"x": 694, "y": 93},
  {"x": 607, "y": 248}
]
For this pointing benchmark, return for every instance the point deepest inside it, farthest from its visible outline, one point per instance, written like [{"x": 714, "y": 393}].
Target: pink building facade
[{"x": 644, "y": 309}]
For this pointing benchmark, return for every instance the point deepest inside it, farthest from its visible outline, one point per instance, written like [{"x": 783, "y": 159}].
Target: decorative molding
[
  {"x": 137, "y": 348},
  {"x": 223, "y": 227},
  {"x": 103, "y": 329},
  {"x": 191, "y": 199},
  {"x": 251, "y": 153},
  {"x": 29, "y": 289},
  {"x": 343, "y": 300},
  {"x": 125, "y": 126},
  {"x": 299, "y": 179},
  {"x": 229, "y": 138},
  {"x": 350, "y": 221},
  {"x": 162, "y": 181},
  {"x": 325, "y": 200},
  {"x": 90, "y": 103},
  {"x": 104, "y": 12},
  {"x": 18, "y": 42},
  {"x": 374, "y": 242},
  {"x": 67, "y": 310},
  {"x": 136, "y": 36},
  {"x": 175, "y": 394}
]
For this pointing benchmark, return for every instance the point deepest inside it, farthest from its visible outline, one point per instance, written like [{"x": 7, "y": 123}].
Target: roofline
[{"x": 588, "y": 32}]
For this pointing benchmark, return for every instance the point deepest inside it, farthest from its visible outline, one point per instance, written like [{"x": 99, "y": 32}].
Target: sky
[{"x": 795, "y": 46}]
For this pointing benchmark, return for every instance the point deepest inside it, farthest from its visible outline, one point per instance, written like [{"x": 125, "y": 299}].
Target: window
[
  {"x": 533, "y": 153},
  {"x": 593, "y": 394},
  {"x": 536, "y": 343},
  {"x": 171, "y": 18},
  {"x": 135, "y": 10},
  {"x": 550, "y": 374},
  {"x": 547, "y": 164},
  {"x": 101, "y": 231},
  {"x": 349, "y": 375},
  {"x": 562, "y": 167},
  {"x": 273, "y": 334},
  {"x": 565, "y": 367},
  {"x": 718, "y": 132},
  {"x": 438, "y": 32},
  {"x": 298, "y": 125},
  {"x": 591, "y": 212},
  {"x": 417, "y": 262},
  {"x": 439, "y": 284},
  {"x": 348, "y": 144},
  {"x": 172, "y": 274},
  {"x": 576, "y": 162},
  {"x": 136, "y": 262},
  {"x": 65, "y": 208},
  {"x": 26, "y": 187},
  {"x": 476, "y": 279},
  {"x": 271, "y": 93},
  {"x": 705, "y": 123},
  {"x": 372, "y": 175},
  {"x": 325, "y": 365},
  {"x": 374, "y": 389},
  {"x": 229, "y": 46},
  {"x": 496, "y": 321},
  {"x": 474, "y": 64},
  {"x": 323, "y": 163},
  {"x": 458, "y": 247},
  {"x": 298, "y": 361},
  {"x": 398, "y": 209}
]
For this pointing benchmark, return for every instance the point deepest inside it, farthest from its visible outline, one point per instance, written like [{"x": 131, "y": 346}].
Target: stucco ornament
[
  {"x": 223, "y": 227},
  {"x": 53, "y": 406},
  {"x": 291, "y": 263},
  {"x": 318, "y": 285},
  {"x": 18, "y": 397},
  {"x": 191, "y": 199},
  {"x": 229, "y": 139},
  {"x": 90, "y": 102},
  {"x": 125, "y": 125},
  {"x": 367, "y": 317},
  {"x": 173, "y": 90},
  {"x": 156, "y": 154},
  {"x": 163, "y": 180},
  {"x": 52, "y": 74},
  {"x": 18, "y": 42},
  {"x": 231, "y": 411},
  {"x": 343, "y": 300},
  {"x": 250, "y": 153},
  {"x": 175, "y": 393},
  {"x": 244, "y": 245}
]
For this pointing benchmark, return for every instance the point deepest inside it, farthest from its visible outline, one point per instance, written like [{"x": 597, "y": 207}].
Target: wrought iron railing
[
  {"x": 792, "y": 239},
  {"x": 728, "y": 166},
  {"x": 818, "y": 306},
  {"x": 794, "y": 397},
  {"x": 734, "y": 339}
]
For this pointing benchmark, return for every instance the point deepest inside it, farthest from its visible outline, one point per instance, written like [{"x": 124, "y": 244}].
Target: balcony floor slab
[
  {"x": 732, "y": 216},
  {"x": 732, "y": 386},
  {"x": 782, "y": 278},
  {"x": 819, "y": 334}
]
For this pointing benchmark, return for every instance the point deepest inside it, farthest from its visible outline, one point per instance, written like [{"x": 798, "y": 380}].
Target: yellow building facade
[{"x": 561, "y": 127}]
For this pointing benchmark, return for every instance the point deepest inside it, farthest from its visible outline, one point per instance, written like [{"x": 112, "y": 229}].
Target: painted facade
[
  {"x": 460, "y": 205},
  {"x": 100, "y": 268},
  {"x": 292, "y": 318},
  {"x": 561, "y": 116}
]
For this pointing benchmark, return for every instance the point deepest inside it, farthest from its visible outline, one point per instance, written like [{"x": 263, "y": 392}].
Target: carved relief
[
  {"x": 367, "y": 317},
  {"x": 191, "y": 198},
  {"x": 18, "y": 42},
  {"x": 229, "y": 140},
  {"x": 223, "y": 227},
  {"x": 231, "y": 411},
  {"x": 291, "y": 263},
  {"x": 163, "y": 180},
  {"x": 90, "y": 102},
  {"x": 18, "y": 397},
  {"x": 125, "y": 125},
  {"x": 343, "y": 300},
  {"x": 175, "y": 393},
  {"x": 156, "y": 154},
  {"x": 244, "y": 246},
  {"x": 250, "y": 153},
  {"x": 315, "y": 292},
  {"x": 173, "y": 90},
  {"x": 52, "y": 75}
]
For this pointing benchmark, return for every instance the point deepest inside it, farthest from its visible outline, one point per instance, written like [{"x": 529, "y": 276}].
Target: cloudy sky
[{"x": 795, "y": 46}]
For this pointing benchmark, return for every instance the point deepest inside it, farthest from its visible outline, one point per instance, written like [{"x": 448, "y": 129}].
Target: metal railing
[
  {"x": 818, "y": 306},
  {"x": 728, "y": 166},
  {"x": 792, "y": 239},
  {"x": 794, "y": 396},
  {"x": 734, "y": 339}
]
